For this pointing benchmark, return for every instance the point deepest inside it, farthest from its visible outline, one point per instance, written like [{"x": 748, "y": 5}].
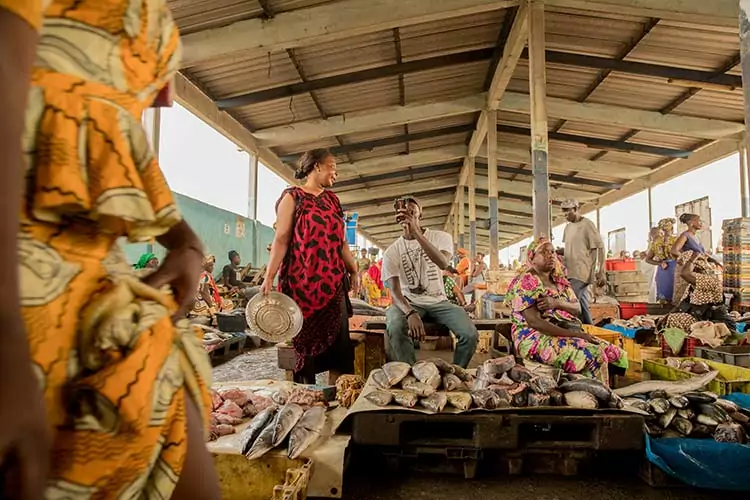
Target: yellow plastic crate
[
  {"x": 730, "y": 378},
  {"x": 271, "y": 477},
  {"x": 613, "y": 338}
]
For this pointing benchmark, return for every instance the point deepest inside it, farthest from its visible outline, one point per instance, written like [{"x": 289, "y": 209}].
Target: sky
[{"x": 202, "y": 164}]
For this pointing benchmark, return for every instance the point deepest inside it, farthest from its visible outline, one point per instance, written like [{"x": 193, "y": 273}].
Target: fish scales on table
[
  {"x": 307, "y": 431},
  {"x": 287, "y": 418},
  {"x": 380, "y": 397},
  {"x": 436, "y": 402},
  {"x": 421, "y": 389},
  {"x": 405, "y": 398}
]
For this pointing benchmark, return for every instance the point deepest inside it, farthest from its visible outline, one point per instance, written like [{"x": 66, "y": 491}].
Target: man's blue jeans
[
  {"x": 401, "y": 345},
  {"x": 581, "y": 290}
]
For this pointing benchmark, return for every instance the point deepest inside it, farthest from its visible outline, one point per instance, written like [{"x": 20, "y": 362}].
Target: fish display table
[{"x": 326, "y": 454}]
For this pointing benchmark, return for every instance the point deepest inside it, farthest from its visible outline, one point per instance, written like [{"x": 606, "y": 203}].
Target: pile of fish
[
  {"x": 689, "y": 365},
  {"x": 230, "y": 407},
  {"x": 681, "y": 409},
  {"x": 290, "y": 425},
  {"x": 499, "y": 383}
]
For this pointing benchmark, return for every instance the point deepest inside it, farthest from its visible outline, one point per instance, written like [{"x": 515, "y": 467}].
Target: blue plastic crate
[{"x": 628, "y": 333}]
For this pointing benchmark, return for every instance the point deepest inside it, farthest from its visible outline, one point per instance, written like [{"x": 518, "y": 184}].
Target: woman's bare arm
[
  {"x": 650, "y": 258},
  {"x": 282, "y": 238}
]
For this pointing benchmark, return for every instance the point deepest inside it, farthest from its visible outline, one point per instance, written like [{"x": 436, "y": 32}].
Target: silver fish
[
  {"x": 665, "y": 420},
  {"x": 257, "y": 424},
  {"x": 716, "y": 412},
  {"x": 686, "y": 413},
  {"x": 593, "y": 387},
  {"x": 424, "y": 370},
  {"x": 380, "y": 378},
  {"x": 395, "y": 371},
  {"x": 730, "y": 433},
  {"x": 434, "y": 381},
  {"x": 306, "y": 431},
  {"x": 461, "y": 373},
  {"x": 264, "y": 443},
  {"x": 659, "y": 405},
  {"x": 727, "y": 405},
  {"x": 488, "y": 400},
  {"x": 459, "y": 400},
  {"x": 542, "y": 384},
  {"x": 436, "y": 402},
  {"x": 679, "y": 402},
  {"x": 699, "y": 397},
  {"x": 706, "y": 420},
  {"x": 452, "y": 382},
  {"x": 405, "y": 398},
  {"x": 498, "y": 366},
  {"x": 288, "y": 417},
  {"x": 379, "y": 398},
  {"x": 581, "y": 399},
  {"x": 682, "y": 425},
  {"x": 418, "y": 388}
]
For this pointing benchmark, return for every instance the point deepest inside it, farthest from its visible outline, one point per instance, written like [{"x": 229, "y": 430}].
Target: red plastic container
[
  {"x": 621, "y": 265},
  {"x": 688, "y": 348},
  {"x": 630, "y": 309}
]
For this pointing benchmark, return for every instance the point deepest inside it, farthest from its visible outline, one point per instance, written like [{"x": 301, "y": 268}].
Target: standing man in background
[{"x": 583, "y": 255}]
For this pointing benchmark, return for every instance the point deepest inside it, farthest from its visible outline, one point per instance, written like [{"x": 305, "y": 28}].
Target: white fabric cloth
[{"x": 421, "y": 280}]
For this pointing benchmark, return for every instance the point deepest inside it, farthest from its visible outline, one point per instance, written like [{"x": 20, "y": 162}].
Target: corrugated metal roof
[{"x": 666, "y": 42}]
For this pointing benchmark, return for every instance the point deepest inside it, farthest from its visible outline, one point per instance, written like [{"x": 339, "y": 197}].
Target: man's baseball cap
[{"x": 569, "y": 204}]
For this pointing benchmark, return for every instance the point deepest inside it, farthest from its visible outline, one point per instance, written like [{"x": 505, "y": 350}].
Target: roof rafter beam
[
  {"x": 385, "y": 165},
  {"x": 325, "y": 23},
  {"x": 409, "y": 172},
  {"x": 598, "y": 143},
  {"x": 396, "y": 69},
  {"x": 567, "y": 179},
  {"x": 390, "y": 141}
]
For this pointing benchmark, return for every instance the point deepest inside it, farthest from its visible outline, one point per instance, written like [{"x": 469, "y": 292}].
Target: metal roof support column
[
  {"x": 538, "y": 94},
  {"x": 472, "y": 206},
  {"x": 492, "y": 189},
  {"x": 252, "y": 201},
  {"x": 744, "y": 199},
  {"x": 455, "y": 230},
  {"x": 745, "y": 58},
  {"x": 650, "y": 209}
]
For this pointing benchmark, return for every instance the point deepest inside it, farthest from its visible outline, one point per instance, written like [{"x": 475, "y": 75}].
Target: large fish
[
  {"x": 257, "y": 424},
  {"x": 671, "y": 388},
  {"x": 288, "y": 417},
  {"x": 590, "y": 385},
  {"x": 264, "y": 443},
  {"x": 306, "y": 431},
  {"x": 424, "y": 371},
  {"x": 395, "y": 371}
]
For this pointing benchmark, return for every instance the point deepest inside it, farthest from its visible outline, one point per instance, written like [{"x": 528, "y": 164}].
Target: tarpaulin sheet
[{"x": 704, "y": 463}]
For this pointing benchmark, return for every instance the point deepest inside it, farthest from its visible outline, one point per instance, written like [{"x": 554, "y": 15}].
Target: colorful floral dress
[
  {"x": 572, "y": 355},
  {"x": 220, "y": 304}
]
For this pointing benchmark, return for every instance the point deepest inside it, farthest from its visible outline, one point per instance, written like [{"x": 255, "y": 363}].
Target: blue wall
[{"x": 211, "y": 224}]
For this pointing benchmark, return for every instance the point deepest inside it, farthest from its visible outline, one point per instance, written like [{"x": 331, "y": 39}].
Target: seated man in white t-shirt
[{"x": 412, "y": 270}]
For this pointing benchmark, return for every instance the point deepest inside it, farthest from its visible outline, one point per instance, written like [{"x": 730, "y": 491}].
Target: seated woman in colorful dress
[
  {"x": 208, "y": 301},
  {"x": 544, "y": 317},
  {"x": 703, "y": 300}
]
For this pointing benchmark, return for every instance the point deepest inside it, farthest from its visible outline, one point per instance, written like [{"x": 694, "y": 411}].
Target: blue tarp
[
  {"x": 704, "y": 463},
  {"x": 625, "y": 332}
]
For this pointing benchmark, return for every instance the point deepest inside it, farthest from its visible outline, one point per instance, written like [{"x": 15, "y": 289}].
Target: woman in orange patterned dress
[{"x": 102, "y": 395}]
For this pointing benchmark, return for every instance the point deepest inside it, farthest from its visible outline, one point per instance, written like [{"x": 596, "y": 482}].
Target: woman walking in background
[
  {"x": 316, "y": 268},
  {"x": 93, "y": 370},
  {"x": 660, "y": 255},
  {"x": 687, "y": 241}
]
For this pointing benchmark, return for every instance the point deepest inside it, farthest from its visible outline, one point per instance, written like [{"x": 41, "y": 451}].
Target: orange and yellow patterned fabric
[
  {"x": 29, "y": 10},
  {"x": 114, "y": 369}
]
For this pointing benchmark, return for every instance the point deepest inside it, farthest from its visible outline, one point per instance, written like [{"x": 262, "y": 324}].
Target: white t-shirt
[{"x": 421, "y": 279}]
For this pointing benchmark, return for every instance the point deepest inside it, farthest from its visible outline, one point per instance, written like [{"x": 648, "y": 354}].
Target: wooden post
[
  {"x": 744, "y": 200},
  {"x": 472, "y": 207},
  {"x": 492, "y": 187},
  {"x": 252, "y": 188},
  {"x": 461, "y": 215},
  {"x": 650, "y": 210},
  {"x": 745, "y": 58},
  {"x": 538, "y": 95},
  {"x": 455, "y": 230}
]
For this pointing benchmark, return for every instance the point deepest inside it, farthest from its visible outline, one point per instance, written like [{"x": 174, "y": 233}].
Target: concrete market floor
[{"x": 367, "y": 479}]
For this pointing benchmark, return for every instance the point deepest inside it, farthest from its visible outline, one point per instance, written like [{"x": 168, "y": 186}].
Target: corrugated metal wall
[{"x": 220, "y": 231}]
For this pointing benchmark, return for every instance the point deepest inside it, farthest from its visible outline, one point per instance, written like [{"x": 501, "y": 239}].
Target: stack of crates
[{"x": 736, "y": 243}]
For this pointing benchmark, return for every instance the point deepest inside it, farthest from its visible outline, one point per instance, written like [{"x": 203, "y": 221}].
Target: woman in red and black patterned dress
[{"x": 313, "y": 260}]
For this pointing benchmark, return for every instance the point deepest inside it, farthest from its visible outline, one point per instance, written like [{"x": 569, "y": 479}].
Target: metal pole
[
  {"x": 598, "y": 220},
  {"x": 472, "y": 207},
  {"x": 539, "y": 146},
  {"x": 491, "y": 115},
  {"x": 252, "y": 188},
  {"x": 650, "y": 210},
  {"x": 744, "y": 201}
]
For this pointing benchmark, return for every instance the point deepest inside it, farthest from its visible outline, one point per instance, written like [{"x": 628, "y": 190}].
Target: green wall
[{"x": 209, "y": 223}]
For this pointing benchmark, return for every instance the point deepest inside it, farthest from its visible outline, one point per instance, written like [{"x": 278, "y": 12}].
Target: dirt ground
[{"x": 366, "y": 479}]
